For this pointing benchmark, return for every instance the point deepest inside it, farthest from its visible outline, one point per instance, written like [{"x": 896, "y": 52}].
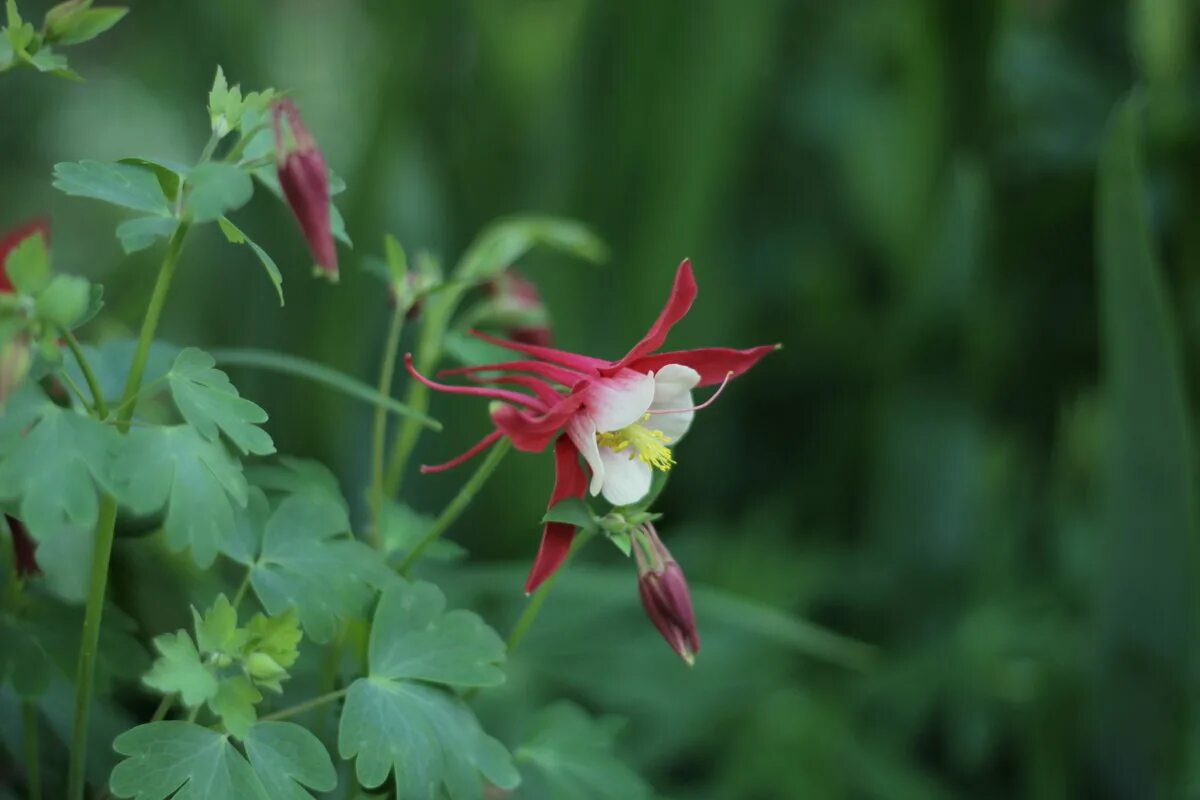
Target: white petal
[
  {"x": 583, "y": 434},
  {"x": 620, "y": 400},
  {"x": 626, "y": 480},
  {"x": 673, "y": 386}
]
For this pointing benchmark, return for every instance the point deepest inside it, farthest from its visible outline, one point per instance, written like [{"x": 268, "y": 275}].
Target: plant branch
[
  {"x": 379, "y": 433},
  {"x": 33, "y": 766},
  {"x": 457, "y": 505},
  {"x": 307, "y": 705},
  {"x": 89, "y": 375},
  {"x": 85, "y": 674}
]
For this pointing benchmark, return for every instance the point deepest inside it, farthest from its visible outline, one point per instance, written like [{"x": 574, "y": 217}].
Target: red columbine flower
[
  {"x": 516, "y": 297},
  {"x": 664, "y": 593},
  {"x": 622, "y": 416},
  {"x": 305, "y": 182}
]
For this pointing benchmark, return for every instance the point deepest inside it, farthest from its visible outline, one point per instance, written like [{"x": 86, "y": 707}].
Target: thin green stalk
[
  {"x": 307, "y": 705},
  {"x": 439, "y": 309},
  {"x": 33, "y": 765},
  {"x": 456, "y": 506},
  {"x": 379, "y": 432},
  {"x": 75, "y": 390},
  {"x": 525, "y": 621},
  {"x": 89, "y": 375},
  {"x": 85, "y": 673},
  {"x": 163, "y": 707}
]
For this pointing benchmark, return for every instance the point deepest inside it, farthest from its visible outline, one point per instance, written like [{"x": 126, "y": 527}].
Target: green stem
[
  {"x": 307, "y": 705},
  {"x": 456, "y": 506},
  {"x": 88, "y": 375},
  {"x": 240, "y": 594},
  {"x": 33, "y": 766},
  {"x": 85, "y": 674},
  {"x": 525, "y": 621},
  {"x": 163, "y": 707},
  {"x": 379, "y": 432},
  {"x": 439, "y": 309}
]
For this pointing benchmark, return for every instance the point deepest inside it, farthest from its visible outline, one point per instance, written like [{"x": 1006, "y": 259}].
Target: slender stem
[
  {"x": 534, "y": 606},
  {"x": 525, "y": 621},
  {"x": 240, "y": 594},
  {"x": 164, "y": 707},
  {"x": 439, "y": 309},
  {"x": 307, "y": 705},
  {"x": 456, "y": 506},
  {"x": 209, "y": 148},
  {"x": 85, "y": 367},
  {"x": 85, "y": 673},
  {"x": 75, "y": 390},
  {"x": 33, "y": 765},
  {"x": 191, "y": 717},
  {"x": 379, "y": 432}
]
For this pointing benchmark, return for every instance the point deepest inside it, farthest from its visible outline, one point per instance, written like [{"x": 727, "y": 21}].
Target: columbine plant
[{"x": 142, "y": 438}]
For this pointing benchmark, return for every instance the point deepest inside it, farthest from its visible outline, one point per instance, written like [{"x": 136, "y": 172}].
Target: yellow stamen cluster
[{"x": 647, "y": 444}]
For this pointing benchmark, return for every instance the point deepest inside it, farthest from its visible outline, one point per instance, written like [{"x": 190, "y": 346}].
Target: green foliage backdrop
[{"x": 974, "y": 451}]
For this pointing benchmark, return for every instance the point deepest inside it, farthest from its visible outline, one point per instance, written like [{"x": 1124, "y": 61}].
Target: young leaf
[
  {"x": 141, "y": 232},
  {"x": 53, "y": 460},
  {"x": 287, "y": 758},
  {"x": 505, "y": 241},
  {"x": 183, "y": 761},
  {"x": 84, "y": 26},
  {"x": 234, "y": 703},
  {"x": 572, "y": 510},
  {"x": 217, "y": 630},
  {"x": 216, "y": 189},
  {"x": 571, "y": 755},
  {"x": 180, "y": 669},
  {"x": 307, "y": 562},
  {"x": 64, "y": 301},
  {"x": 170, "y": 174},
  {"x": 120, "y": 184},
  {"x": 393, "y": 721},
  {"x": 28, "y": 264},
  {"x": 235, "y": 235},
  {"x": 210, "y": 402},
  {"x": 198, "y": 481}
]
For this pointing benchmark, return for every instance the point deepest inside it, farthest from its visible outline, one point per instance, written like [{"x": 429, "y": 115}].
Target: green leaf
[
  {"x": 142, "y": 232},
  {"x": 403, "y": 528},
  {"x": 394, "y": 721},
  {"x": 24, "y": 661},
  {"x": 507, "y": 240},
  {"x": 319, "y": 373},
  {"x": 287, "y": 758},
  {"x": 54, "y": 461},
  {"x": 397, "y": 261},
  {"x": 573, "y": 511},
  {"x": 277, "y": 637},
  {"x": 28, "y": 264},
  {"x": 307, "y": 562},
  {"x": 569, "y": 756},
  {"x": 170, "y": 174},
  {"x": 64, "y": 301},
  {"x": 197, "y": 480},
  {"x": 217, "y": 631},
  {"x": 120, "y": 184},
  {"x": 214, "y": 189},
  {"x": 1147, "y": 566},
  {"x": 85, "y": 26},
  {"x": 180, "y": 669},
  {"x": 234, "y": 703},
  {"x": 210, "y": 402},
  {"x": 235, "y": 235},
  {"x": 183, "y": 761}
]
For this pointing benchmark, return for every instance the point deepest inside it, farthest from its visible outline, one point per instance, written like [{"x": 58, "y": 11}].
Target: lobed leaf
[
  {"x": 123, "y": 185},
  {"x": 210, "y": 402}
]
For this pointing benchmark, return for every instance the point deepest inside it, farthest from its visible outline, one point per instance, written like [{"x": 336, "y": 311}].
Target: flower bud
[
  {"x": 518, "y": 306},
  {"x": 262, "y": 667},
  {"x": 665, "y": 595},
  {"x": 15, "y": 360},
  {"x": 304, "y": 179}
]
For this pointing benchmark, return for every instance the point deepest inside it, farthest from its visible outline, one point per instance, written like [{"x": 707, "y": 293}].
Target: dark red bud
[
  {"x": 304, "y": 179},
  {"x": 23, "y": 549},
  {"x": 665, "y": 596},
  {"x": 516, "y": 296}
]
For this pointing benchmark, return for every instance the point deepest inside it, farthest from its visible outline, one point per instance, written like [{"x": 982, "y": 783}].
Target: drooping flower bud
[
  {"x": 23, "y": 549},
  {"x": 665, "y": 595},
  {"x": 304, "y": 179},
  {"x": 518, "y": 308}
]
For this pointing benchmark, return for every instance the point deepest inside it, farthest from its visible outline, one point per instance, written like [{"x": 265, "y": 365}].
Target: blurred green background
[{"x": 972, "y": 453}]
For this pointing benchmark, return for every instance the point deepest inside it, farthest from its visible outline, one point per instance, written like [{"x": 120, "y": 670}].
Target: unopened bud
[
  {"x": 262, "y": 667},
  {"x": 304, "y": 179},
  {"x": 665, "y": 595},
  {"x": 15, "y": 359},
  {"x": 518, "y": 306}
]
